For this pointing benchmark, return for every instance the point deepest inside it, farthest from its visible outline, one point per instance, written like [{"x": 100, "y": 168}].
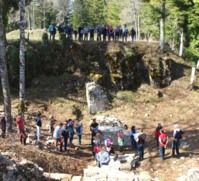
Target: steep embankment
[{"x": 115, "y": 65}]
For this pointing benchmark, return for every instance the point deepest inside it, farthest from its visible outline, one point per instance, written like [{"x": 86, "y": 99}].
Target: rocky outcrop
[
  {"x": 117, "y": 65},
  {"x": 192, "y": 175},
  {"x": 13, "y": 168}
]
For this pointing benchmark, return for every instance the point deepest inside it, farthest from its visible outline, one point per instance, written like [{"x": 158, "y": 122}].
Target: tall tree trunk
[
  {"x": 135, "y": 19},
  {"x": 181, "y": 43},
  {"x": 22, "y": 56},
  {"x": 44, "y": 14},
  {"x": 4, "y": 73},
  {"x": 138, "y": 24},
  {"x": 162, "y": 25},
  {"x": 33, "y": 16},
  {"x": 29, "y": 17}
]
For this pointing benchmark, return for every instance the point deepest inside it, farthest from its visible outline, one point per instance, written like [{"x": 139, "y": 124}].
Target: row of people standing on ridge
[{"x": 103, "y": 33}]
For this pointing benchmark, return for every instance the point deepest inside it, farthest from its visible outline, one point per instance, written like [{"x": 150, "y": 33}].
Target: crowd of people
[
  {"x": 102, "y": 32},
  {"x": 102, "y": 147}
]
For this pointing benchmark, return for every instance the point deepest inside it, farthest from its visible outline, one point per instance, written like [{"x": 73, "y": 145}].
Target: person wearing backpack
[
  {"x": 65, "y": 134},
  {"x": 52, "y": 31},
  {"x": 38, "y": 126},
  {"x": 163, "y": 141},
  {"x": 177, "y": 136},
  {"x": 79, "y": 131},
  {"x": 140, "y": 145},
  {"x": 71, "y": 131}
]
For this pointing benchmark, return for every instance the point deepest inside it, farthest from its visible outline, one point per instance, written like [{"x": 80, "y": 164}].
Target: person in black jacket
[
  {"x": 38, "y": 125},
  {"x": 94, "y": 130},
  {"x": 3, "y": 125},
  {"x": 65, "y": 134},
  {"x": 177, "y": 136}
]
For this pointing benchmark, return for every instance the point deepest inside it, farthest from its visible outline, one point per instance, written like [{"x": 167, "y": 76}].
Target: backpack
[
  {"x": 38, "y": 122},
  {"x": 178, "y": 134}
]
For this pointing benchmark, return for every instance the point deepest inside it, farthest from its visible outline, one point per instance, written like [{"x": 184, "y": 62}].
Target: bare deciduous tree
[
  {"x": 22, "y": 56},
  {"x": 4, "y": 73}
]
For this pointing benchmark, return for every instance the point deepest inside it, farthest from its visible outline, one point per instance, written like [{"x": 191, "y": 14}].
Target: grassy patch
[{"x": 127, "y": 96}]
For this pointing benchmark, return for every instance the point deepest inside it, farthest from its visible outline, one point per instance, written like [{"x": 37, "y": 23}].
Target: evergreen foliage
[{"x": 95, "y": 12}]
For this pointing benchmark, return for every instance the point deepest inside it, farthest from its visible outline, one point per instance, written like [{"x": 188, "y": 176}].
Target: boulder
[
  {"x": 96, "y": 98},
  {"x": 193, "y": 174},
  {"x": 12, "y": 168},
  {"x": 58, "y": 176},
  {"x": 76, "y": 178}
]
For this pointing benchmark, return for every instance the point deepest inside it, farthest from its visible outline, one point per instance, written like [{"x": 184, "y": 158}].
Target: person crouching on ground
[
  {"x": 103, "y": 157},
  {"x": 21, "y": 129},
  {"x": 57, "y": 135},
  {"x": 163, "y": 141},
  {"x": 177, "y": 136}
]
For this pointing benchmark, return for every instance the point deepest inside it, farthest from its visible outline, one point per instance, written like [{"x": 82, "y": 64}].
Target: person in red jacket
[
  {"x": 163, "y": 141},
  {"x": 21, "y": 129},
  {"x": 157, "y": 133}
]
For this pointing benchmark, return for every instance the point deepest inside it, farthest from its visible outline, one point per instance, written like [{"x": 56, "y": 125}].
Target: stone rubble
[
  {"x": 12, "y": 168},
  {"x": 115, "y": 172}
]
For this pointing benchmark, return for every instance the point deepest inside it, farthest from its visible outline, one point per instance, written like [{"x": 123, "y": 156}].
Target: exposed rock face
[
  {"x": 12, "y": 168},
  {"x": 96, "y": 98},
  {"x": 117, "y": 65},
  {"x": 129, "y": 67}
]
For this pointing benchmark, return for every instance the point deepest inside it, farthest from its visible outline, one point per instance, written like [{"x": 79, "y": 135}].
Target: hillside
[{"x": 56, "y": 87}]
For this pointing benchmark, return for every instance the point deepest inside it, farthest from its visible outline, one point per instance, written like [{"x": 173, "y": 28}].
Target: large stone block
[{"x": 96, "y": 98}]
